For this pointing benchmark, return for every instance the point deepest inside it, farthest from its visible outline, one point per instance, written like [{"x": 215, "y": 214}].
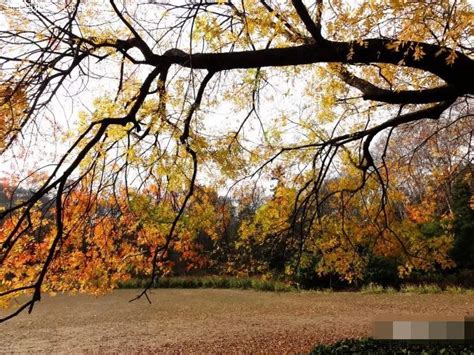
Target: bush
[{"x": 371, "y": 346}]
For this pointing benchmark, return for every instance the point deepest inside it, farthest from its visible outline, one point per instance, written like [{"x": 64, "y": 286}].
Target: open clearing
[{"x": 210, "y": 320}]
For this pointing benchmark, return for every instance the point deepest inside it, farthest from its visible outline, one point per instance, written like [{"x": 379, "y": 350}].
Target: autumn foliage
[{"x": 288, "y": 139}]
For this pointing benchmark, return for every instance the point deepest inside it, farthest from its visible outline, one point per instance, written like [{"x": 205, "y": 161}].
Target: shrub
[{"x": 371, "y": 346}]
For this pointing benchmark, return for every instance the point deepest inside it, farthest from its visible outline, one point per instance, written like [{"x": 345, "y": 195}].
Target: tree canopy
[{"x": 125, "y": 121}]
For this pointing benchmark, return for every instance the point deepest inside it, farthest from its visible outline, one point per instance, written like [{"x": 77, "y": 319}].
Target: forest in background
[{"x": 250, "y": 233}]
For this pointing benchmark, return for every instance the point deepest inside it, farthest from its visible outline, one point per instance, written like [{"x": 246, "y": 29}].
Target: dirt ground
[{"x": 204, "y": 321}]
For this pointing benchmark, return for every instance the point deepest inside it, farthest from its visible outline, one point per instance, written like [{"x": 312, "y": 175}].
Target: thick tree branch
[
  {"x": 459, "y": 74},
  {"x": 433, "y": 112},
  {"x": 372, "y": 92}
]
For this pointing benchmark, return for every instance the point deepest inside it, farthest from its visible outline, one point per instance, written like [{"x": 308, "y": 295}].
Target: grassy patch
[
  {"x": 370, "y": 346},
  {"x": 376, "y": 289},
  {"x": 246, "y": 283},
  {"x": 421, "y": 289},
  {"x": 253, "y": 283},
  {"x": 414, "y": 289}
]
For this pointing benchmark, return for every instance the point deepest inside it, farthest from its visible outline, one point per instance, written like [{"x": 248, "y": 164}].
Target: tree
[
  {"x": 358, "y": 71},
  {"x": 463, "y": 223}
]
